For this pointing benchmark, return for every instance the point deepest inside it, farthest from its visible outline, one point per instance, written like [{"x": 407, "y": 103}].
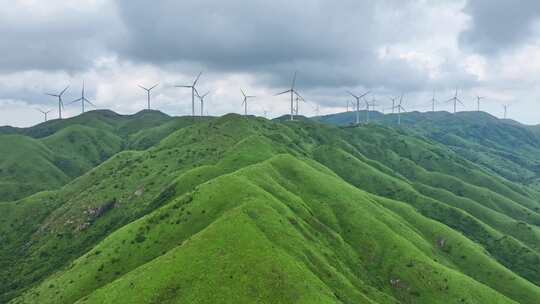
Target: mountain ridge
[{"x": 361, "y": 214}]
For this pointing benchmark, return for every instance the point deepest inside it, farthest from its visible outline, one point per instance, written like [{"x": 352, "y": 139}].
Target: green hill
[
  {"x": 64, "y": 149},
  {"x": 504, "y": 147},
  {"x": 246, "y": 210}
]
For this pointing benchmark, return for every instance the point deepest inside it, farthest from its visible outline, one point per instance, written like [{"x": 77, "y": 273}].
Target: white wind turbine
[
  {"x": 455, "y": 100},
  {"x": 245, "y": 101},
  {"x": 193, "y": 92},
  {"x": 201, "y": 98},
  {"x": 399, "y": 107},
  {"x": 60, "y": 102},
  {"x": 83, "y": 99},
  {"x": 293, "y": 92},
  {"x": 148, "y": 92},
  {"x": 358, "y": 97},
  {"x": 45, "y": 113}
]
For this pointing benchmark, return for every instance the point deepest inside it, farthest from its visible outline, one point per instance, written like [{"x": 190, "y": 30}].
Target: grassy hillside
[
  {"x": 246, "y": 210},
  {"x": 50, "y": 154},
  {"x": 504, "y": 147}
]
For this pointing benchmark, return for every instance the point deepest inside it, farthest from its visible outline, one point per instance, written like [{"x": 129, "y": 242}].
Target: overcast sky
[{"x": 482, "y": 47}]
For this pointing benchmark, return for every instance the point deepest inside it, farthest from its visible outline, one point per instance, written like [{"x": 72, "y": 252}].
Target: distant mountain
[
  {"x": 505, "y": 147},
  {"x": 246, "y": 210}
]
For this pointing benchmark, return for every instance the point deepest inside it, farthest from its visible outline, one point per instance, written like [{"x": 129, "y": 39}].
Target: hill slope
[
  {"x": 504, "y": 147},
  {"x": 247, "y": 210},
  {"x": 50, "y": 154}
]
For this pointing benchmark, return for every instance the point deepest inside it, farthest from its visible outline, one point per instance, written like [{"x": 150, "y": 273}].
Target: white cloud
[{"x": 390, "y": 47}]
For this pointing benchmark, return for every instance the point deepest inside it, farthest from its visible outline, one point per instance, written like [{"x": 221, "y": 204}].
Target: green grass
[{"x": 246, "y": 210}]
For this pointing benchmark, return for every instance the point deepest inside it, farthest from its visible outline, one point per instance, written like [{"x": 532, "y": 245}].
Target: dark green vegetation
[{"x": 246, "y": 210}]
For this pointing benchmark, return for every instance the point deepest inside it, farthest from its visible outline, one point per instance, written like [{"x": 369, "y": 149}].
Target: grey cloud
[
  {"x": 66, "y": 39},
  {"x": 329, "y": 44},
  {"x": 498, "y": 25}
]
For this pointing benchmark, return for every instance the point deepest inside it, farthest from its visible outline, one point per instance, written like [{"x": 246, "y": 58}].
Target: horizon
[
  {"x": 386, "y": 47},
  {"x": 362, "y": 120}
]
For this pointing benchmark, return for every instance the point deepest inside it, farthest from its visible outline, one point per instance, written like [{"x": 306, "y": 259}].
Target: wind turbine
[
  {"x": 358, "y": 97},
  {"x": 193, "y": 91},
  {"x": 455, "y": 99},
  {"x": 292, "y": 91},
  {"x": 201, "y": 98},
  {"x": 298, "y": 97},
  {"x": 399, "y": 107},
  {"x": 505, "y": 110},
  {"x": 433, "y": 100},
  {"x": 373, "y": 104},
  {"x": 478, "y": 98},
  {"x": 83, "y": 99},
  {"x": 245, "y": 101},
  {"x": 60, "y": 102},
  {"x": 148, "y": 92},
  {"x": 44, "y": 113},
  {"x": 393, "y": 99}
]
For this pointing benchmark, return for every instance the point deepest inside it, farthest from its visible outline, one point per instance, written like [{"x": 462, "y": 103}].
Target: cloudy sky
[{"x": 489, "y": 48}]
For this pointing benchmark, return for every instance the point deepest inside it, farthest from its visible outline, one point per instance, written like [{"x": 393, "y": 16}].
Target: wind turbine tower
[
  {"x": 399, "y": 107},
  {"x": 358, "y": 97},
  {"x": 83, "y": 99},
  {"x": 298, "y": 98},
  {"x": 478, "y": 99},
  {"x": 505, "y": 111},
  {"x": 293, "y": 92},
  {"x": 455, "y": 100},
  {"x": 193, "y": 92},
  {"x": 44, "y": 113},
  {"x": 393, "y": 99},
  {"x": 148, "y": 92},
  {"x": 201, "y": 98},
  {"x": 245, "y": 101},
  {"x": 433, "y": 101},
  {"x": 60, "y": 102}
]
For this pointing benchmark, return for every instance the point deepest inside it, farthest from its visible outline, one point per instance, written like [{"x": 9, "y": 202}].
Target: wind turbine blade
[
  {"x": 89, "y": 102},
  {"x": 76, "y": 100},
  {"x": 299, "y": 96},
  {"x": 288, "y": 91},
  {"x": 459, "y": 100},
  {"x": 243, "y": 92},
  {"x": 353, "y": 95},
  {"x": 53, "y": 95},
  {"x": 293, "y": 81},
  {"x": 63, "y": 91},
  {"x": 183, "y": 86},
  {"x": 154, "y": 86},
  {"x": 140, "y": 86},
  {"x": 197, "y": 79},
  {"x": 361, "y": 96}
]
